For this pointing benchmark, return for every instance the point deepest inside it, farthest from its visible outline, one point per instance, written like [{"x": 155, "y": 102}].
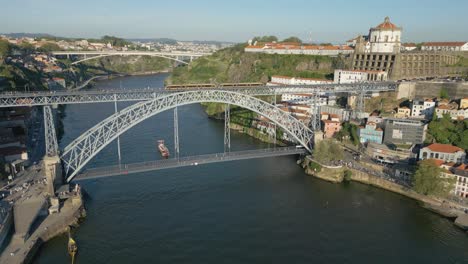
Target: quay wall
[{"x": 412, "y": 90}]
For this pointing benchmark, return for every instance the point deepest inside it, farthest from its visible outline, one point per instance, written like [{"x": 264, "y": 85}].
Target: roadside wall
[{"x": 413, "y": 90}]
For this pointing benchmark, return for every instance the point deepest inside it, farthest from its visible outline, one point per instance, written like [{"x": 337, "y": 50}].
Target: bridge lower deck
[{"x": 124, "y": 169}]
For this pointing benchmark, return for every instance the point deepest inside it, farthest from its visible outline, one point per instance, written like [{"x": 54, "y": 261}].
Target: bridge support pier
[{"x": 53, "y": 173}]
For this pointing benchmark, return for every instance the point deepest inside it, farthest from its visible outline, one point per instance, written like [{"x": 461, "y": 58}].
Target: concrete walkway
[{"x": 19, "y": 251}]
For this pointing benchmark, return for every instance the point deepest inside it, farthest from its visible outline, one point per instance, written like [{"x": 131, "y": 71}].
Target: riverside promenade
[{"x": 21, "y": 251}]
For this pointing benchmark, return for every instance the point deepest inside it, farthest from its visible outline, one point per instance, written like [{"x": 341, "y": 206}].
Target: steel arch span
[
  {"x": 79, "y": 152},
  {"x": 108, "y": 55}
]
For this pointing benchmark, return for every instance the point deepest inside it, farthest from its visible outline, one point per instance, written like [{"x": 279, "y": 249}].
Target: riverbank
[
  {"x": 335, "y": 174},
  {"x": 21, "y": 251}
]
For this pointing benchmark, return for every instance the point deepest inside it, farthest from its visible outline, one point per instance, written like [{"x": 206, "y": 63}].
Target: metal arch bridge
[
  {"x": 79, "y": 152},
  {"x": 120, "y": 95},
  {"x": 100, "y": 54},
  {"x": 158, "y": 100}
]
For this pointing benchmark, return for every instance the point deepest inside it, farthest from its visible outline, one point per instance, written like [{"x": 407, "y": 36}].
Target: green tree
[
  {"x": 292, "y": 39},
  {"x": 5, "y": 48},
  {"x": 27, "y": 47},
  {"x": 428, "y": 180},
  {"x": 327, "y": 151},
  {"x": 347, "y": 175},
  {"x": 48, "y": 47},
  {"x": 115, "y": 41},
  {"x": 265, "y": 39},
  {"x": 443, "y": 93}
]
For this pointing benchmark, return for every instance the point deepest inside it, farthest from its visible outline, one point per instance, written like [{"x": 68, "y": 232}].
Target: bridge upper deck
[{"x": 11, "y": 99}]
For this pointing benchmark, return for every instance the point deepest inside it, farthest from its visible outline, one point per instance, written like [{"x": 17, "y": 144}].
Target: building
[
  {"x": 445, "y": 46},
  {"x": 384, "y": 38},
  {"x": 461, "y": 184},
  {"x": 400, "y": 131},
  {"x": 408, "y": 46},
  {"x": 277, "y": 79},
  {"x": 303, "y": 98},
  {"x": 298, "y": 49},
  {"x": 353, "y": 76},
  {"x": 391, "y": 154},
  {"x": 447, "y": 153},
  {"x": 330, "y": 128},
  {"x": 370, "y": 133},
  {"x": 403, "y": 112},
  {"x": 464, "y": 103},
  {"x": 381, "y": 50},
  {"x": 13, "y": 153},
  {"x": 343, "y": 114},
  {"x": 422, "y": 108}
]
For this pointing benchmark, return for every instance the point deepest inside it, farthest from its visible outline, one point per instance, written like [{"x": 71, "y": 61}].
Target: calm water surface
[{"x": 253, "y": 211}]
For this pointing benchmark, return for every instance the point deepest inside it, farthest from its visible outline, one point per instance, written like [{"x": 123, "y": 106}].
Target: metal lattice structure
[
  {"x": 121, "y": 95},
  {"x": 79, "y": 152},
  {"x": 51, "y": 146},
  {"x": 227, "y": 128}
]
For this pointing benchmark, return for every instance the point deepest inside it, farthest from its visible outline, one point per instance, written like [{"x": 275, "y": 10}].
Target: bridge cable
[{"x": 227, "y": 129}]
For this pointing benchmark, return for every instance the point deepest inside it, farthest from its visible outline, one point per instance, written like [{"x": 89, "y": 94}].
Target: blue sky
[{"x": 236, "y": 20}]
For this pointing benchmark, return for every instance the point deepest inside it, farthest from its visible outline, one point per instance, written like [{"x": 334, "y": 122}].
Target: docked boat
[
  {"x": 163, "y": 149},
  {"x": 72, "y": 248}
]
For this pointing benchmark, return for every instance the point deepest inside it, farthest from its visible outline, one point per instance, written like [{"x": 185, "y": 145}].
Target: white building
[
  {"x": 461, "y": 184},
  {"x": 445, "y": 46},
  {"x": 322, "y": 100},
  {"x": 421, "y": 108},
  {"x": 353, "y": 76},
  {"x": 455, "y": 114},
  {"x": 277, "y": 79},
  {"x": 444, "y": 152},
  {"x": 408, "y": 46},
  {"x": 384, "y": 38}
]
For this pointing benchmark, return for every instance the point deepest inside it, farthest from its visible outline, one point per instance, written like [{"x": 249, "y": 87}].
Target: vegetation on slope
[{"x": 234, "y": 65}]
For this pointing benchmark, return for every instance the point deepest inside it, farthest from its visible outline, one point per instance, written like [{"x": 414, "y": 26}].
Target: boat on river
[{"x": 72, "y": 248}]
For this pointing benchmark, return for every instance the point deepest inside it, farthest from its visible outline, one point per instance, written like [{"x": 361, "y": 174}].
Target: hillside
[{"x": 235, "y": 65}]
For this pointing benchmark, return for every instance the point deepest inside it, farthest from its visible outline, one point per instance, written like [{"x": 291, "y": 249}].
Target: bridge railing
[{"x": 190, "y": 161}]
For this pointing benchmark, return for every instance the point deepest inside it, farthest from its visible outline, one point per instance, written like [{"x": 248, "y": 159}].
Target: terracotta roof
[
  {"x": 386, "y": 25},
  {"x": 378, "y": 129},
  {"x": 408, "y": 45},
  {"x": 438, "y": 162},
  {"x": 445, "y": 148},
  {"x": 444, "y": 107},
  {"x": 445, "y": 44}
]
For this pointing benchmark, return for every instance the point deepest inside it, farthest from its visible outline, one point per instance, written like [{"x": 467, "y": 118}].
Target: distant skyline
[{"x": 235, "y": 21}]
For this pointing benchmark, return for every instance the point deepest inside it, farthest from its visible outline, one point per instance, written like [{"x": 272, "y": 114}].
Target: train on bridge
[{"x": 211, "y": 85}]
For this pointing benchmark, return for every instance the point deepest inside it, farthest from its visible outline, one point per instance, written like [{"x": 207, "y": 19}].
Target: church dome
[{"x": 387, "y": 25}]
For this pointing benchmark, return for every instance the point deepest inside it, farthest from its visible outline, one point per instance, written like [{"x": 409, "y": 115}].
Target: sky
[{"x": 236, "y": 20}]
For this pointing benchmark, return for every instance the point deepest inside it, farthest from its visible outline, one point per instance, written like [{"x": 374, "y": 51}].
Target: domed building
[
  {"x": 381, "y": 51},
  {"x": 385, "y": 38}
]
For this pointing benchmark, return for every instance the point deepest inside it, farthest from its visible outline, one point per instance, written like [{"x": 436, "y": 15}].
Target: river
[{"x": 252, "y": 211}]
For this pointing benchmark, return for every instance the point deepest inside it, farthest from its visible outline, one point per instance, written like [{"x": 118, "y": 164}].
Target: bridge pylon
[{"x": 51, "y": 161}]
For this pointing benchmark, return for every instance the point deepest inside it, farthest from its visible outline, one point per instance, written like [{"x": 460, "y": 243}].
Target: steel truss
[
  {"x": 79, "y": 152},
  {"x": 86, "y": 97},
  {"x": 51, "y": 146}
]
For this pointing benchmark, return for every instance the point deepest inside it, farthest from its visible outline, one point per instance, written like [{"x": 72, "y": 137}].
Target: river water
[{"x": 252, "y": 211}]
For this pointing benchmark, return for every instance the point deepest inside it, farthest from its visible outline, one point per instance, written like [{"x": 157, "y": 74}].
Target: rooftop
[
  {"x": 445, "y": 44},
  {"x": 387, "y": 25},
  {"x": 445, "y": 148}
]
